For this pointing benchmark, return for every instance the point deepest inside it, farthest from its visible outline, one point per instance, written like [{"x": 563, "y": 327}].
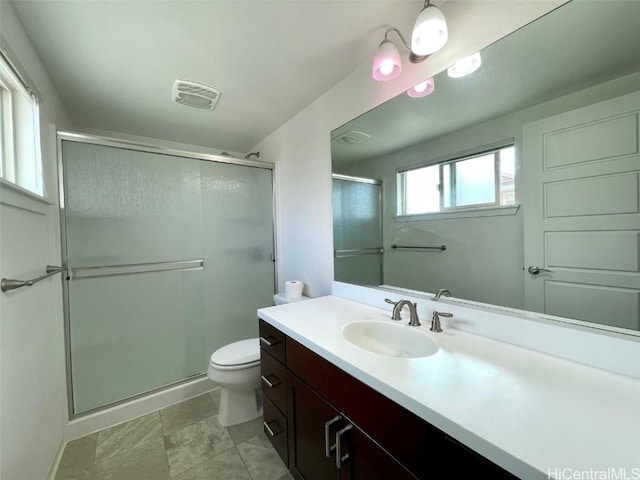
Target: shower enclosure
[
  {"x": 168, "y": 255},
  {"x": 357, "y": 230}
]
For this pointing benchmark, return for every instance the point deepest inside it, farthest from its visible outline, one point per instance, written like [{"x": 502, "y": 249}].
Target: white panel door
[{"x": 582, "y": 213}]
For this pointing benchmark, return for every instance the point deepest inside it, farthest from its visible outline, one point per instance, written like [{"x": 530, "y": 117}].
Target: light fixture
[
  {"x": 422, "y": 89},
  {"x": 429, "y": 35},
  {"x": 387, "y": 64},
  {"x": 430, "y": 31},
  {"x": 465, "y": 66}
]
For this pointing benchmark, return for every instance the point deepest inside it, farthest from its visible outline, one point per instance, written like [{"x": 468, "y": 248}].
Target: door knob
[{"x": 534, "y": 270}]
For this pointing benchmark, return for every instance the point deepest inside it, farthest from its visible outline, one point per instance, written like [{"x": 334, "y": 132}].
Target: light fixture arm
[{"x": 413, "y": 58}]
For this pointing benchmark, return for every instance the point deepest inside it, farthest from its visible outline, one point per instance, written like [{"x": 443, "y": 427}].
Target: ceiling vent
[
  {"x": 195, "y": 95},
  {"x": 351, "y": 137}
]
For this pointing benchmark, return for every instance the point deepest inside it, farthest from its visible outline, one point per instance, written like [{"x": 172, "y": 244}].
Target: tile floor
[{"x": 180, "y": 442}]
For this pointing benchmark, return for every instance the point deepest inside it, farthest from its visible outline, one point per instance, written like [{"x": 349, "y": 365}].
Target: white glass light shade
[
  {"x": 422, "y": 89},
  {"x": 387, "y": 64},
  {"x": 465, "y": 66},
  {"x": 429, "y": 32}
]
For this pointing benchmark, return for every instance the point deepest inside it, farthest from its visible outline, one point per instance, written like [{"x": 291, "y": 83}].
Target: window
[
  {"x": 482, "y": 180},
  {"x": 20, "y": 161}
]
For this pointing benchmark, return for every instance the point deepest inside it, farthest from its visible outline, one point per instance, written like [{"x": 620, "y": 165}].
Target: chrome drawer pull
[
  {"x": 339, "y": 457},
  {"x": 268, "y": 383},
  {"x": 269, "y": 343},
  {"x": 271, "y": 432},
  {"x": 327, "y": 427}
]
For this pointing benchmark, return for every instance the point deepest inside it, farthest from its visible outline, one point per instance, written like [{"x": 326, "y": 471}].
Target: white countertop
[{"x": 528, "y": 412}]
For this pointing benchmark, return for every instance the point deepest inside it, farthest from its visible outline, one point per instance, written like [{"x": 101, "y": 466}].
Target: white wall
[
  {"x": 301, "y": 148},
  {"x": 32, "y": 371}
]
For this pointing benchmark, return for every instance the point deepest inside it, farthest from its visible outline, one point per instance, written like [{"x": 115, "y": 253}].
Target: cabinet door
[
  {"x": 307, "y": 416},
  {"x": 366, "y": 460}
]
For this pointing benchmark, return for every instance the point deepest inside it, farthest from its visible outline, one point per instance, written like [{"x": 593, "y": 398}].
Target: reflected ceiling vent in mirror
[
  {"x": 195, "y": 95},
  {"x": 352, "y": 137}
]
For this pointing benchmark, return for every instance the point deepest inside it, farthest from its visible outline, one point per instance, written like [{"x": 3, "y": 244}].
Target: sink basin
[{"x": 393, "y": 340}]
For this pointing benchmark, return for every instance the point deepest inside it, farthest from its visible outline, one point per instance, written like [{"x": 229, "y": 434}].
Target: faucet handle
[
  {"x": 395, "y": 315},
  {"x": 435, "y": 321}
]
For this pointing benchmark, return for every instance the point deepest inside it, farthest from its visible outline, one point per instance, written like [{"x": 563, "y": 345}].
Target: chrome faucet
[
  {"x": 441, "y": 292},
  {"x": 435, "y": 321},
  {"x": 414, "y": 321}
]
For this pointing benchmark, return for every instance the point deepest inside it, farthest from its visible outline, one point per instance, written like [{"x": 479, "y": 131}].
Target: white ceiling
[
  {"x": 578, "y": 45},
  {"x": 114, "y": 63}
]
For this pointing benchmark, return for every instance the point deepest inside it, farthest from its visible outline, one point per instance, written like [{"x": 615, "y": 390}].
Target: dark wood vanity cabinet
[{"x": 325, "y": 413}]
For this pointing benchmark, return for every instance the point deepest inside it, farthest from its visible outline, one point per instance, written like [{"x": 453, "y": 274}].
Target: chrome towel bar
[
  {"x": 118, "y": 270},
  {"x": 404, "y": 247},
  {"x": 357, "y": 251},
  {"x": 11, "y": 284}
]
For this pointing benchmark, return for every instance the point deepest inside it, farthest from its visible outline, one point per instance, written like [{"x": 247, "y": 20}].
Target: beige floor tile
[
  {"x": 77, "y": 460},
  {"x": 226, "y": 466},
  {"x": 187, "y": 412},
  {"x": 128, "y": 435},
  {"x": 263, "y": 462},
  {"x": 196, "y": 443},
  {"x": 243, "y": 431},
  {"x": 144, "y": 462}
]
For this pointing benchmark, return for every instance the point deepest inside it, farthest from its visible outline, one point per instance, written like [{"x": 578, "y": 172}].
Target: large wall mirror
[{"x": 516, "y": 185}]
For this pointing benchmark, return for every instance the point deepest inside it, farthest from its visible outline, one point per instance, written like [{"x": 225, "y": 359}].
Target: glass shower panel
[
  {"x": 357, "y": 231},
  {"x": 135, "y": 332},
  {"x": 237, "y": 222}
]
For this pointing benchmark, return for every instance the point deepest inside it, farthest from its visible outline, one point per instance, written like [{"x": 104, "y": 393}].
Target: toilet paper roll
[{"x": 293, "y": 289}]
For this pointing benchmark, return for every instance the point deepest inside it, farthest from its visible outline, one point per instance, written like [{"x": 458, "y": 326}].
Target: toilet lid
[{"x": 238, "y": 353}]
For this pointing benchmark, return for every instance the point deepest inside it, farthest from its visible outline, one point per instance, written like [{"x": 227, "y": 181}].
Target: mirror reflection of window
[{"x": 482, "y": 180}]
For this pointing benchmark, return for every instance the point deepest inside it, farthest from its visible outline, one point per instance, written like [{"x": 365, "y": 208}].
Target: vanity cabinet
[
  {"x": 318, "y": 434},
  {"x": 273, "y": 377},
  {"x": 329, "y": 413}
]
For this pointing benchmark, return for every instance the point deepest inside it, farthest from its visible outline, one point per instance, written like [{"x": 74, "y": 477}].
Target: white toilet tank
[{"x": 281, "y": 299}]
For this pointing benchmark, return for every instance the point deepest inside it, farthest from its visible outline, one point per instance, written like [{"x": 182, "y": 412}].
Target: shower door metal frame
[{"x": 148, "y": 148}]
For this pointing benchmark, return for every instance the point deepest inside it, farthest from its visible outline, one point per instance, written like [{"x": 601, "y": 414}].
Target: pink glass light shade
[
  {"x": 387, "y": 64},
  {"x": 422, "y": 89}
]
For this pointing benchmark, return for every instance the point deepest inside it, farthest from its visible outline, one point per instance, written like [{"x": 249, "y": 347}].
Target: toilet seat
[{"x": 237, "y": 355}]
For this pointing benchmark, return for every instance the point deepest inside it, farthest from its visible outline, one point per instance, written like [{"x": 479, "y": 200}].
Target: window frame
[
  {"x": 451, "y": 160},
  {"x": 21, "y": 168}
]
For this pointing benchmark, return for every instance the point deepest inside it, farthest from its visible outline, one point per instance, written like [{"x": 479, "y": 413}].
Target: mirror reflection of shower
[{"x": 357, "y": 230}]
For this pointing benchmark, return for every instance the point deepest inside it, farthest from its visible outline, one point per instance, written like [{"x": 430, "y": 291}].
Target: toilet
[{"x": 236, "y": 369}]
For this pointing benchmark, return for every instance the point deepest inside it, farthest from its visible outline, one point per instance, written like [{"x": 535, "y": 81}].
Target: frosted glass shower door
[
  {"x": 357, "y": 230},
  {"x": 237, "y": 223},
  {"x": 169, "y": 258},
  {"x": 131, "y": 333}
]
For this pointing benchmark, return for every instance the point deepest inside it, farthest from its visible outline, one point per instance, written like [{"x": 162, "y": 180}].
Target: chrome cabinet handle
[
  {"x": 339, "y": 457},
  {"x": 327, "y": 427},
  {"x": 271, "y": 432},
  {"x": 535, "y": 270},
  {"x": 269, "y": 343},
  {"x": 268, "y": 383}
]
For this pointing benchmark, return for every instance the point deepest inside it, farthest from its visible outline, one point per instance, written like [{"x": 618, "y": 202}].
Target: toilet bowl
[{"x": 236, "y": 369}]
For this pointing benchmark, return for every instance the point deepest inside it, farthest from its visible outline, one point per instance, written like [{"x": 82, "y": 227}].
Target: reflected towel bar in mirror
[
  {"x": 11, "y": 284},
  {"x": 405, "y": 247}
]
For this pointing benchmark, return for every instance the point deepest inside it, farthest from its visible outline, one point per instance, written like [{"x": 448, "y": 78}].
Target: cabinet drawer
[
  {"x": 272, "y": 341},
  {"x": 273, "y": 380},
  {"x": 275, "y": 428}
]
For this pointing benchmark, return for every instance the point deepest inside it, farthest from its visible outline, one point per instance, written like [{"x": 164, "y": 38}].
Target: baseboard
[
  {"x": 94, "y": 422},
  {"x": 56, "y": 460}
]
